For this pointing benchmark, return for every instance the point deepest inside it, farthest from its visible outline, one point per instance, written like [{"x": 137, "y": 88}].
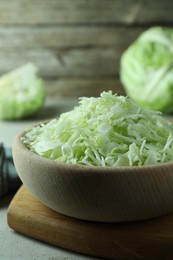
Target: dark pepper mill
[{"x": 9, "y": 180}]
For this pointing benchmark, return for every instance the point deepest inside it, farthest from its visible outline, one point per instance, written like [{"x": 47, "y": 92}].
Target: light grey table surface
[{"x": 13, "y": 245}]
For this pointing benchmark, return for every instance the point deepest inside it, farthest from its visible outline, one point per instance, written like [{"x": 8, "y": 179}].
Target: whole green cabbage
[
  {"x": 22, "y": 92},
  {"x": 146, "y": 69}
]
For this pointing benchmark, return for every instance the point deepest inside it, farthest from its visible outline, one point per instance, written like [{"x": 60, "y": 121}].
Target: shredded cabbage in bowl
[{"x": 109, "y": 130}]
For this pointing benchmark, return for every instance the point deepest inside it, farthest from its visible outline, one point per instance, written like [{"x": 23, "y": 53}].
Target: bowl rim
[{"x": 84, "y": 168}]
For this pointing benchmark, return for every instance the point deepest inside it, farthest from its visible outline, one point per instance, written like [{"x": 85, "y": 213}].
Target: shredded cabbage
[
  {"x": 109, "y": 130},
  {"x": 146, "y": 69},
  {"x": 22, "y": 92}
]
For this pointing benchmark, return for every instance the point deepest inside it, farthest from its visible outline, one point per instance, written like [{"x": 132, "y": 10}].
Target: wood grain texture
[
  {"x": 82, "y": 86},
  {"x": 75, "y": 38},
  {"x": 66, "y": 37},
  {"x": 60, "y": 63},
  {"x": 139, "y": 240},
  {"x": 89, "y": 54},
  {"x": 127, "y": 12}
]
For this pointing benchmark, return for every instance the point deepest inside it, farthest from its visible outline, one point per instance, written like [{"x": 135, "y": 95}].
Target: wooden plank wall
[{"x": 77, "y": 44}]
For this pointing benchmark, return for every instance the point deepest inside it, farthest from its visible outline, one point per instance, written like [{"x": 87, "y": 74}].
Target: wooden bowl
[{"x": 96, "y": 193}]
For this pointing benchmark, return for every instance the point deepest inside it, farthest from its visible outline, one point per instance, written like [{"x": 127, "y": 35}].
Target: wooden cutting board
[{"x": 152, "y": 239}]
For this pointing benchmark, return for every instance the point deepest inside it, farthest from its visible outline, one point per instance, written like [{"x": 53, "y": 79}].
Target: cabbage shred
[{"x": 109, "y": 130}]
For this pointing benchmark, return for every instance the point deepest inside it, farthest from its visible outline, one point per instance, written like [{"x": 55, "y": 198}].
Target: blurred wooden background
[{"x": 77, "y": 44}]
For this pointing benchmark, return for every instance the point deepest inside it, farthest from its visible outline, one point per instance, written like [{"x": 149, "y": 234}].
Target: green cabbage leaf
[
  {"x": 146, "y": 69},
  {"x": 22, "y": 92},
  {"x": 109, "y": 130}
]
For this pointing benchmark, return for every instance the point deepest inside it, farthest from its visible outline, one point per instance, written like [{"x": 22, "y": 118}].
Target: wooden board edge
[{"x": 125, "y": 241}]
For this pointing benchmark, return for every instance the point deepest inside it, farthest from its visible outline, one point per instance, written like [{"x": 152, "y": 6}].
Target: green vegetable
[
  {"x": 109, "y": 130},
  {"x": 22, "y": 92},
  {"x": 146, "y": 69}
]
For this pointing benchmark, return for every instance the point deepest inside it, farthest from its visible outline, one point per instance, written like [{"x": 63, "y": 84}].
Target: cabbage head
[
  {"x": 22, "y": 92},
  {"x": 108, "y": 131},
  {"x": 146, "y": 69}
]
